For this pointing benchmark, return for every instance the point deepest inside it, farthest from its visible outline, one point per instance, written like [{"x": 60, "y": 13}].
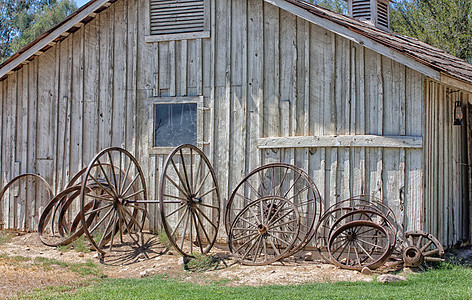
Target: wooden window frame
[
  {"x": 154, "y": 150},
  {"x": 150, "y": 38}
]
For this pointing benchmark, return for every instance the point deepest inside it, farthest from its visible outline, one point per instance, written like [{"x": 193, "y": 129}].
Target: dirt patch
[{"x": 21, "y": 252}]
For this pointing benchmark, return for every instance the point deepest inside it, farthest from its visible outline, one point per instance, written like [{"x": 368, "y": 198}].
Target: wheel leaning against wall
[
  {"x": 189, "y": 201},
  {"x": 113, "y": 193}
]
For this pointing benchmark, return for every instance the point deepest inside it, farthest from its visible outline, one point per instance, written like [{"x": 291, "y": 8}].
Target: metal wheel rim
[
  {"x": 361, "y": 263},
  {"x": 196, "y": 197},
  {"x": 309, "y": 209},
  {"x": 124, "y": 197},
  {"x": 265, "y": 223}
]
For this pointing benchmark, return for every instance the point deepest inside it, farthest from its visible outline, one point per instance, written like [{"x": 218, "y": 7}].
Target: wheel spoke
[
  {"x": 282, "y": 182},
  {"x": 197, "y": 191},
  {"x": 133, "y": 194},
  {"x": 418, "y": 244},
  {"x": 122, "y": 185},
  {"x": 185, "y": 172},
  {"x": 101, "y": 221},
  {"x": 205, "y": 216},
  {"x": 209, "y": 206},
  {"x": 112, "y": 187},
  {"x": 101, "y": 186},
  {"x": 180, "y": 176},
  {"x": 273, "y": 246},
  {"x": 99, "y": 197},
  {"x": 426, "y": 246},
  {"x": 131, "y": 184},
  {"x": 185, "y": 228},
  {"x": 176, "y": 210},
  {"x": 257, "y": 250},
  {"x": 295, "y": 182},
  {"x": 197, "y": 233},
  {"x": 245, "y": 236},
  {"x": 110, "y": 221},
  {"x": 365, "y": 251},
  {"x": 278, "y": 239},
  {"x": 89, "y": 212},
  {"x": 253, "y": 189},
  {"x": 113, "y": 172},
  {"x": 203, "y": 228},
  {"x": 246, "y": 243},
  {"x": 176, "y": 185},
  {"x": 180, "y": 220},
  {"x": 206, "y": 193},
  {"x": 249, "y": 250},
  {"x": 432, "y": 252}
]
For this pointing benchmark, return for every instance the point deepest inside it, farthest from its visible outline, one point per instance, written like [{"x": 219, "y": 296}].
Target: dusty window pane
[{"x": 175, "y": 124}]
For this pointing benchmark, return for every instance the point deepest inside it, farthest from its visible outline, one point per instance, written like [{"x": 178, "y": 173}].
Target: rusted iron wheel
[
  {"x": 114, "y": 183},
  {"x": 264, "y": 231},
  {"x": 189, "y": 200},
  {"x": 420, "y": 249},
  {"x": 359, "y": 244},
  {"x": 27, "y": 186},
  {"x": 280, "y": 180},
  {"x": 361, "y": 202}
]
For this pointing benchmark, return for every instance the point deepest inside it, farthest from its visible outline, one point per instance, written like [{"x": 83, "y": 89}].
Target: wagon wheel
[
  {"x": 189, "y": 200},
  {"x": 361, "y": 202},
  {"x": 421, "y": 248},
  {"x": 359, "y": 244},
  {"x": 114, "y": 183},
  {"x": 264, "y": 231},
  {"x": 26, "y": 187},
  {"x": 281, "y": 180}
]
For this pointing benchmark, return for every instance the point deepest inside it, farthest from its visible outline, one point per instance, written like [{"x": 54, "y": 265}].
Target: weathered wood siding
[
  {"x": 264, "y": 73},
  {"x": 446, "y": 174}
]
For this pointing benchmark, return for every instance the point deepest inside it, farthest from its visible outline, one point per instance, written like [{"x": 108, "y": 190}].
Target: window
[
  {"x": 175, "y": 121},
  {"x": 175, "y": 124},
  {"x": 178, "y": 19}
]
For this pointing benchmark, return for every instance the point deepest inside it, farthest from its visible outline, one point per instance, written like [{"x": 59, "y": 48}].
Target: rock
[
  {"x": 96, "y": 255},
  {"x": 145, "y": 273},
  {"x": 170, "y": 253},
  {"x": 141, "y": 256},
  {"x": 386, "y": 278},
  {"x": 60, "y": 253},
  {"x": 167, "y": 268},
  {"x": 308, "y": 256},
  {"x": 81, "y": 254},
  {"x": 27, "y": 249},
  {"x": 366, "y": 271},
  {"x": 158, "y": 258},
  {"x": 183, "y": 261}
]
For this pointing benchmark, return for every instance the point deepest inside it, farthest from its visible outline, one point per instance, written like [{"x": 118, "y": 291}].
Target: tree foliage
[
  {"x": 445, "y": 24},
  {"x": 21, "y": 21}
]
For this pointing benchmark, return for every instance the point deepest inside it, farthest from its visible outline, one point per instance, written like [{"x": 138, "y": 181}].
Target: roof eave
[
  {"x": 358, "y": 38},
  {"x": 49, "y": 38}
]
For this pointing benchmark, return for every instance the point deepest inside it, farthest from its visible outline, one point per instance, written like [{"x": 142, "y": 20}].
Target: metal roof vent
[{"x": 374, "y": 12}]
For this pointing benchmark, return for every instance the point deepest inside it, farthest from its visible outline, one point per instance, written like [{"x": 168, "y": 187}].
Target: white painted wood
[{"x": 373, "y": 141}]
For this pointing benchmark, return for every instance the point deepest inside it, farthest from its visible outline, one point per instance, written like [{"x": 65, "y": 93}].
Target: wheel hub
[
  {"x": 351, "y": 236},
  {"x": 262, "y": 229},
  {"x": 413, "y": 257}
]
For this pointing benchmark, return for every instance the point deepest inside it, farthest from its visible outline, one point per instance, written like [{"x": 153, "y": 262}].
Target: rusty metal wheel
[
  {"x": 50, "y": 221},
  {"x": 420, "y": 249},
  {"x": 280, "y": 180},
  {"x": 114, "y": 193},
  {"x": 264, "y": 231},
  {"x": 18, "y": 193},
  {"x": 359, "y": 244},
  {"x": 360, "y": 202},
  {"x": 189, "y": 201}
]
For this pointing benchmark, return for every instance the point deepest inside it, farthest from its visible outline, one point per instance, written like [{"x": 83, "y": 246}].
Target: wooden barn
[{"x": 360, "y": 109}]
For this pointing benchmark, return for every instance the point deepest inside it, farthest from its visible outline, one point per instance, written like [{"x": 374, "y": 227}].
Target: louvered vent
[
  {"x": 382, "y": 17},
  {"x": 177, "y": 16},
  {"x": 361, "y": 9}
]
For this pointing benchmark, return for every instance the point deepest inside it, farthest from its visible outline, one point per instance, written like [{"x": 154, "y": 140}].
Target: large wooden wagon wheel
[
  {"x": 359, "y": 244},
  {"x": 189, "y": 200},
  {"x": 280, "y": 180},
  {"x": 420, "y": 249},
  {"x": 113, "y": 193},
  {"x": 264, "y": 231}
]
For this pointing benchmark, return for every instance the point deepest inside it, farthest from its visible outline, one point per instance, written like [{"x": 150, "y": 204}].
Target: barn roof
[{"x": 422, "y": 57}]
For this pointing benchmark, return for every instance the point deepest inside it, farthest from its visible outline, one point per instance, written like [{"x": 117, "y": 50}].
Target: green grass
[
  {"x": 83, "y": 269},
  {"x": 449, "y": 282},
  {"x": 5, "y": 237}
]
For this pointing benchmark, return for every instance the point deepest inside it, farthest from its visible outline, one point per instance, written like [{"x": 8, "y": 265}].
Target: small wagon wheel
[
  {"x": 421, "y": 248},
  {"x": 359, "y": 244},
  {"x": 189, "y": 200},
  {"x": 281, "y": 180},
  {"x": 264, "y": 231},
  {"x": 115, "y": 184}
]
